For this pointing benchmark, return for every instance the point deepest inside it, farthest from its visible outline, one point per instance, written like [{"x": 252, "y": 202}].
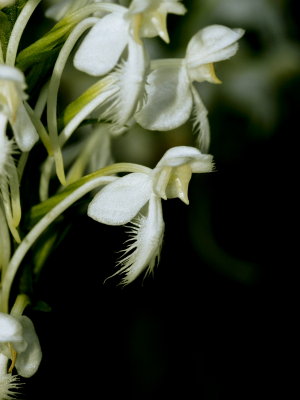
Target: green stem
[
  {"x": 53, "y": 91},
  {"x": 18, "y": 29},
  {"x": 22, "y": 301}
]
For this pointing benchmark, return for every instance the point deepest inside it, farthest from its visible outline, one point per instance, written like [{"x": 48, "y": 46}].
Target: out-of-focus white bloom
[
  {"x": 104, "y": 44},
  {"x": 19, "y": 341},
  {"x": 6, "y": 3},
  {"x": 136, "y": 198},
  {"x": 171, "y": 96},
  {"x": 12, "y": 86}
]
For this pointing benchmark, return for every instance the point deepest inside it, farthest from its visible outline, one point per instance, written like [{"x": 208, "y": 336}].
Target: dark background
[{"x": 215, "y": 321}]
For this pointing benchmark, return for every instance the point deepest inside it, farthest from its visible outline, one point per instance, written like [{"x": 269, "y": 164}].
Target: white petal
[
  {"x": 119, "y": 202},
  {"x": 10, "y": 329},
  {"x": 24, "y": 131},
  {"x": 29, "y": 360},
  {"x": 211, "y": 44},
  {"x": 169, "y": 99},
  {"x": 177, "y": 156},
  {"x": 103, "y": 45}
]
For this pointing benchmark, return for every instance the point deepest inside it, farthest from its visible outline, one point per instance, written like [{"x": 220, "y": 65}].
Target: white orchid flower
[
  {"x": 136, "y": 198},
  {"x": 171, "y": 95},
  {"x": 19, "y": 342},
  {"x": 12, "y": 95},
  {"x": 102, "y": 47}
]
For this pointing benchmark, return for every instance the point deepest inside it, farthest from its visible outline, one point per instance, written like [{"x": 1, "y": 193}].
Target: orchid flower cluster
[{"x": 105, "y": 40}]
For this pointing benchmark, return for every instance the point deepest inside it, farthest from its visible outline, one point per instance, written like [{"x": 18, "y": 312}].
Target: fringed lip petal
[
  {"x": 211, "y": 44},
  {"x": 200, "y": 122},
  {"x": 169, "y": 99},
  {"x": 143, "y": 252},
  {"x": 119, "y": 202},
  {"x": 102, "y": 47},
  {"x": 131, "y": 81}
]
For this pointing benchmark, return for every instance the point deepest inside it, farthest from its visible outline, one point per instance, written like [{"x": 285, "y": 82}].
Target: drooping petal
[
  {"x": 29, "y": 359},
  {"x": 102, "y": 47},
  {"x": 24, "y": 131},
  {"x": 146, "y": 240},
  {"x": 169, "y": 99},
  {"x": 119, "y": 202},
  {"x": 211, "y": 44}
]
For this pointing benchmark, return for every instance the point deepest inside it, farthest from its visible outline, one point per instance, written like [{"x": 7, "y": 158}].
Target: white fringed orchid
[
  {"x": 104, "y": 44},
  {"x": 19, "y": 342},
  {"x": 171, "y": 95},
  {"x": 12, "y": 95},
  {"x": 136, "y": 198}
]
